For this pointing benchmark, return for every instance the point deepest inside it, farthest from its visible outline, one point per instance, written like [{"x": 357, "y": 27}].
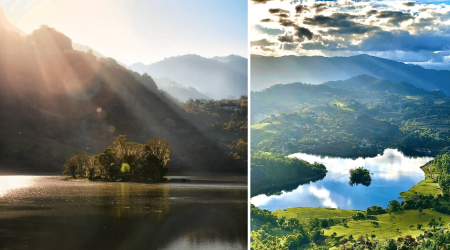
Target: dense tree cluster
[
  {"x": 275, "y": 172},
  {"x": 360, "y": 175},
  {"x": 127, "y": 160}
]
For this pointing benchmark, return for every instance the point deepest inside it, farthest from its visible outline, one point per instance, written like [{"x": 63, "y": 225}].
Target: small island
[
  {"x": 360, "y": 176},
  {"x": 125, "y": 161}
]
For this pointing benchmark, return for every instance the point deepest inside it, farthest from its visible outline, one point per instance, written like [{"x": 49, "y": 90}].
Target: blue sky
[
  {"x": 408, "y": 31},
  {"x": 141, "y": 31}
]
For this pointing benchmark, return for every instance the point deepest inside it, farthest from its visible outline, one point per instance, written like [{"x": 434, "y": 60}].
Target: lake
[
  {"x": 392, "y": 172},
  {"x": 46, "y": 212}
]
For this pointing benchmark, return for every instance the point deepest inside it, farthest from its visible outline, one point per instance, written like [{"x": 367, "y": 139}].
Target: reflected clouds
[{"x": 392, "y": 173}]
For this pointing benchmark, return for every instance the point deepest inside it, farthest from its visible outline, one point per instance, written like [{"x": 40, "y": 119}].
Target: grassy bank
[{"x": 427, "y": 186}]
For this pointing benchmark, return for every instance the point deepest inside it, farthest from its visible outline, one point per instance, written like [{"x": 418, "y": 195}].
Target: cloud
[
  {"x": 260, "y": 1},
  {"x": 262, "y": 42},
  {"x": 278, "y": 10},
  {"x": 395, "y": 17},
  {"x": 287, "y": 22},
  {"x": 398, "y": 30},
  {"x": 341, "y": 21},
  {"x": 302, "y": 32},
  {"x": 319, "y": 7},
  {"x": 266, "y": 20},
  {"x": 301, "y": 8},
  {"x": 269, "y": 31},
  {"x": 286, "y": 38}
]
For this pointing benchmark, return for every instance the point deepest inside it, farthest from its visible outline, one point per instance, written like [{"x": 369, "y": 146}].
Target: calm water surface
[
  {"x": 392, "y": 173},
  {"x": 45, "y": 212}
]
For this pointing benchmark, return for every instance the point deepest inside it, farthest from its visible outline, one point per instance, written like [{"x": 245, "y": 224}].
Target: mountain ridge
[
  {"x": 267, "y": 71},
  {"x": 213, "y": 77}
]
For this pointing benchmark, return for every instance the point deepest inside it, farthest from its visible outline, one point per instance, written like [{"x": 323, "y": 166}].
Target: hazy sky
[
  {"x": 141, "y": 31},
  {"x": 407, "y": 31}
]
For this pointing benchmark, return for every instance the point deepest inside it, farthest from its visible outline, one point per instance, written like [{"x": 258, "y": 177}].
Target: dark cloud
[
  {"x": 279, "y": 12},
  {"x": 301, "y": 8},
  {"x": 302, "y": 33},
  {"x": 260, "y": 1},
  {"x": 262, "y": 42},
  {"x": 269, "y": 31},
  {"x": 409, "y": 4},
  {"x": 286, "y": 38},
  {"x": 342, "y": 23},
  {"x": 319, "y": 7},
  {"x": 395, "y": 17},
  {"x": 371, "y": 12},
  {"x": 287, "y": 23},
  {"x": 276, "y": 11},
  {"x": 266, "y": 20}
]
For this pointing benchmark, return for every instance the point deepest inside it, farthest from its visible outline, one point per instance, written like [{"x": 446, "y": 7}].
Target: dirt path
[{"x": 432, "y": 176}]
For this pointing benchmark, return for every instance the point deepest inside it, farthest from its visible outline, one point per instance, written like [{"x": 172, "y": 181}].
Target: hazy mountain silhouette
[
  {"x": 218, "y": 78},
  {"x": 52, "y": 98},
  {"x": 4, "y": 22},
  {"x": 267, "y": 71},
  {"x": 370, "y": 83},
  {"x": 178, "y": 90}
]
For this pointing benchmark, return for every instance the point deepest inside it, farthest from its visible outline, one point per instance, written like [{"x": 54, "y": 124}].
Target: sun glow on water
[{"x": 10, "y": 183}]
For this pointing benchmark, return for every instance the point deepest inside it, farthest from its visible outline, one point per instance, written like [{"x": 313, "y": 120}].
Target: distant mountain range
[
  {"x": 179, "y": 91},
  {"x": 217, "y": 77},
  {"x": 267, "y": 71},
  {"x": 373, "y": 84}
]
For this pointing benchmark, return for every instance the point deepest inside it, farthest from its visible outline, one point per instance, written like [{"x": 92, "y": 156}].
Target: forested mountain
[
  {"x": 268, "y": 71},
  {"x": 360, "y": 116},
  {"x": 364, "y": 88},
  {"x": 55, "y": 102},
  {"x": 218, "y": 78}
]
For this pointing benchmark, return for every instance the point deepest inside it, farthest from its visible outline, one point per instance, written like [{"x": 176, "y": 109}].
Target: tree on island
[
  {"x": 360, "y": 176},
  {"x": 127, "y": 160}
]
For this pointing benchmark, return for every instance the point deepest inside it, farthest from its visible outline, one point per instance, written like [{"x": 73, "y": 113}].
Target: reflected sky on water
[{"x": 392, "y": 173}]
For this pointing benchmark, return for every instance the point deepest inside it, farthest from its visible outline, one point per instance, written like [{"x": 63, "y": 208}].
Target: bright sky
[
  {"x": 401, "y": 30},
  {"x": 140, "y": 31}
]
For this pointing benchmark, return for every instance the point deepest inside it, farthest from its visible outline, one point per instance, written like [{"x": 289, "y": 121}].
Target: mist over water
[
  {"x": 43, "y": 212},
  {"x": 392, "y": 173}
]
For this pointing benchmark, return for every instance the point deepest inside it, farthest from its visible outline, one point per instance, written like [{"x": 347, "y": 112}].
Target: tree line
[{"x": 124, "y": 160}]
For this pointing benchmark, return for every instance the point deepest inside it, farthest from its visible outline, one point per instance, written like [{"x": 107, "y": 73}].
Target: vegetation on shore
[
  {"x": 272, "y": 172},
  {"x": 125, "y": 161}
]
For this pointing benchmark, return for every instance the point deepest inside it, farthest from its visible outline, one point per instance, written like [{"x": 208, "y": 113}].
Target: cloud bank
[{"x": 407, "y": 31}]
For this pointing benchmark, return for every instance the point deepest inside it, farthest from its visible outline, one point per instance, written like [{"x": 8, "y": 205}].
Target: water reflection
[
  {"x": 11, "y": 183},
  {"x": 392, "y": 173},
  {"x": 104, "y": 215}
]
